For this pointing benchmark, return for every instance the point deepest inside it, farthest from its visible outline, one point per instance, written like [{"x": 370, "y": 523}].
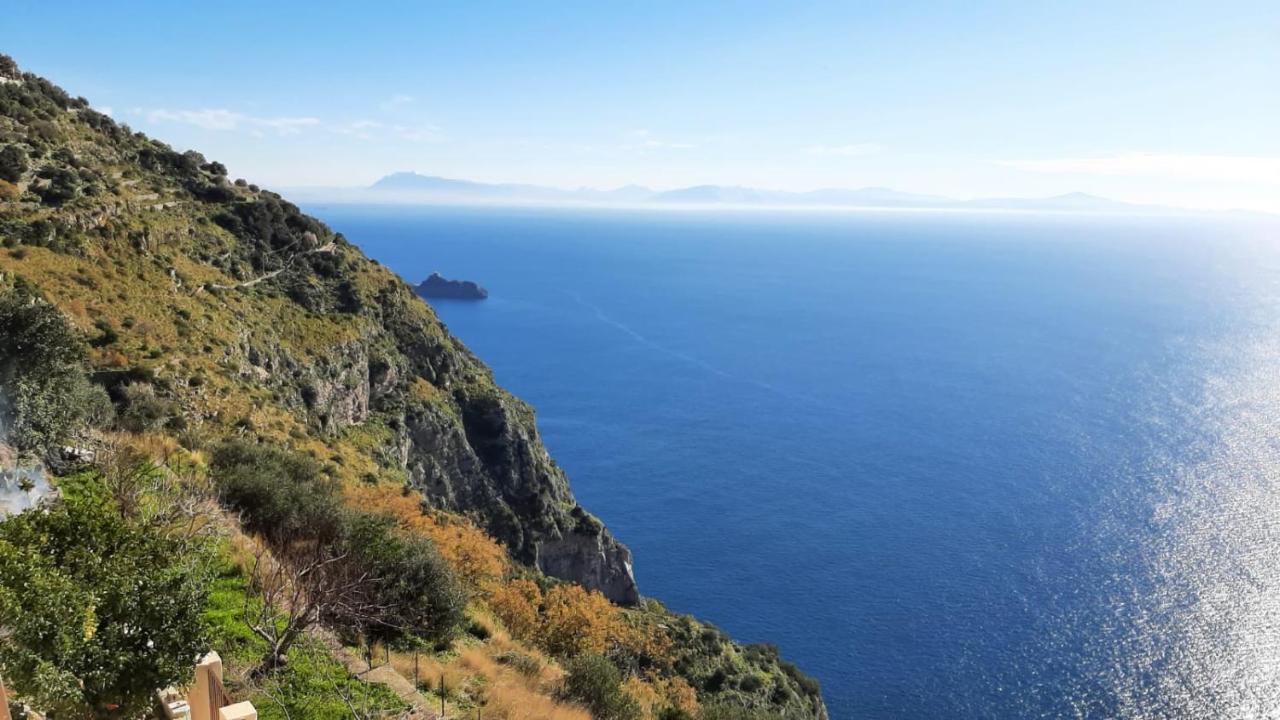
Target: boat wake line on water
[{"x": 605, "y": 318}]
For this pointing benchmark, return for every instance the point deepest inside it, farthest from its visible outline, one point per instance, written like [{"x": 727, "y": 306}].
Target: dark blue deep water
[{"x": 954, "y": 465}]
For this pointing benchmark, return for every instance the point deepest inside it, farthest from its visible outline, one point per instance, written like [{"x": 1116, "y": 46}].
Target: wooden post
[{"x": 442, "y": 696}]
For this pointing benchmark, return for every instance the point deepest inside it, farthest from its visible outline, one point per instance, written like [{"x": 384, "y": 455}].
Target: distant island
[
  {"x": 414, "y": 188},
  {"x": 438, "y": 286}
]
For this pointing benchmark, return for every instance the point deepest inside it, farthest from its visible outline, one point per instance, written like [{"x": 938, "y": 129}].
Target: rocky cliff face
[{"x": 467, "y": 445}]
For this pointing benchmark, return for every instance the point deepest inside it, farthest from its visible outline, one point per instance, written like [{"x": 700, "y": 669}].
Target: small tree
[
  {"x": 279, "y": 494},
  {"x": 297, "y": 592},
  {"x": 63, "y": 185}
]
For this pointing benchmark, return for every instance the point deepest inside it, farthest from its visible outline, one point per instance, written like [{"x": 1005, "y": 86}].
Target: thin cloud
[
  {"x": 1203, "y": 168},
  {"x": 850, "y": 150},
  {"x": 645, "y": 140},
  {"x": 418, "y": 133},
  {"x": 361, "y": 129},
  {"x": 227, "y": 120},
  {"x": 395, "y": 101},
  {"x": 369, "y": 129}
]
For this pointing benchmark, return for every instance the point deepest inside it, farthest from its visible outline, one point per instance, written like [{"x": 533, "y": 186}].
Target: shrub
[
  {"x": 13, "y": 163},
  {"x": 517, "y": 604},
  {"x": 41, "y": 373},
  {"x": 144, "y": 409},
  {"x": 63, "y": 185},
  {"x": 97, "y": 612},
  {"x": 577, "y": 621},
  {"x": 107, "y": 334},
  {"x": 280, "y": 494},
  {"x": 596, "y": 683},
  {"x": 9, "y": 191},
  {"x": 398, "y": 585},
  {"x": 410, "y": 584},
  {"x": 477, "y": 560}
]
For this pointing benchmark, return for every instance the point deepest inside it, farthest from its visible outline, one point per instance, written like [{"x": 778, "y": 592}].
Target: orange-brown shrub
[
  {"x": 576, "y": 621},
  {"x": 517, "y": 604},
  {"x": 676, "y": 692},
  {"x": 479, "y": 561}
]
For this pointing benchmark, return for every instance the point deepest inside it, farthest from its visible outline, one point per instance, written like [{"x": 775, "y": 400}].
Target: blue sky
[{"x": 1170, "y": 102}]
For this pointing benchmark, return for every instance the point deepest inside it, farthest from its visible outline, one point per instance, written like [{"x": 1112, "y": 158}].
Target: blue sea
[{"x": 954, "y": 465}]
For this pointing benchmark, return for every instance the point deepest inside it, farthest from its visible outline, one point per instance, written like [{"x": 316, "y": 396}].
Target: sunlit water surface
[{"x": 954, "y": 465}]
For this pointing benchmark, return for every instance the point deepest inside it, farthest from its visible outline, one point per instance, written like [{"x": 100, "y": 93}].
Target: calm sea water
[{"x": 953, "y": 465}]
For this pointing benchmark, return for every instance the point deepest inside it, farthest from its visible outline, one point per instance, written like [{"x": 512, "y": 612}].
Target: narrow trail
[
  {"x": 384, "y": 675},
  {"x": 326, "y": 248}
]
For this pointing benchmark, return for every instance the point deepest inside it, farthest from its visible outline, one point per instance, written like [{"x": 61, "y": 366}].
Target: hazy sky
[{"x": 1171, "y": 102}]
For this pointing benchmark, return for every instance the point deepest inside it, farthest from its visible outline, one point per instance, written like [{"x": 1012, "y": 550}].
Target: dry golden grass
[{"x": 475, "y": 677}]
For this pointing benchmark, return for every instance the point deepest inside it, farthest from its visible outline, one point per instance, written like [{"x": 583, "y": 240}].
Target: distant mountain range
[{"x": 411, "y": 187}]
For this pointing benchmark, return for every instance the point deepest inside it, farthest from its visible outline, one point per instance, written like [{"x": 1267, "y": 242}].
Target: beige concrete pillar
[
  {"x": 4, "y": 702},
  {"x": 201, "y": 698},
  {"x": 239, "y": 711}
]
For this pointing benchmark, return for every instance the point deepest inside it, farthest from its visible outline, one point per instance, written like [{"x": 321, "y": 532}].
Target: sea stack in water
[{"x": 437, "y": 286}]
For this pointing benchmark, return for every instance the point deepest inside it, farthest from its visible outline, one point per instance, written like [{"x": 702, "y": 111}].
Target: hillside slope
[{"x": 247, "y": 318}]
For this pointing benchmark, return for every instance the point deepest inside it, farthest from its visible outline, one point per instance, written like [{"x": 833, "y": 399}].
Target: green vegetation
[
  {"x": 44, "y": 394},
  {"x": 97, "y": 609},
  {"x": 358, "y": 571},
  {"x": 13, "y": 163},
  {"x": 596, "y": 683},
  {"x": 280, "y": 495},
  {"x": 311, "y": 684}
]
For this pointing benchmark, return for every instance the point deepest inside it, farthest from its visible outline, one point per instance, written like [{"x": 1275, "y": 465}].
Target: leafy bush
[
  {"x": 594, "y": 682},
  {"x": 414, "y": 589},
  {"x": 405, "y": 587},
  {"x": 96, "y": 611},
  {"x": 13, "y": 163},
  {"x": 279, "y": 494},
  {"x": 61, "y": 185},
  {"x": 44, "y": 395},
  {"x": 144, "y": 409}
]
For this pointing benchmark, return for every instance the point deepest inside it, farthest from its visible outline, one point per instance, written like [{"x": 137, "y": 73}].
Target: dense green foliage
[
  {"x": 596, "y": 683},
  {"x": 13, "y": 163},
  {"x": 411, "y": 582},
  {"x": 96, "y": 611},
  {"x": 405, "y": 589},
  {"x": 280, "y": 495},
  {"x": 44, "y": 394}
]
